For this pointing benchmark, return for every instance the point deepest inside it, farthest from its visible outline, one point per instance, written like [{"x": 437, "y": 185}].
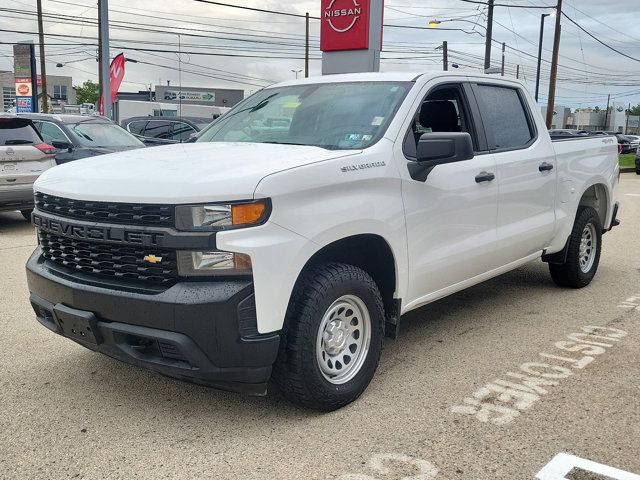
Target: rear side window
[
  {"x": 158, "y": 129},
  {"x": 137, "y": 128},
  {"x": 505, "y": 117},
  {"x": 18, "y": 131}
]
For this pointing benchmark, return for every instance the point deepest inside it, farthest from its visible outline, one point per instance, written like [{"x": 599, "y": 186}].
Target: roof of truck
[{"x": 393, "y": 77}]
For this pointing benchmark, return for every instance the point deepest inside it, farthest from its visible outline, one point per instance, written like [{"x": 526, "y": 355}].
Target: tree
[
  {"x": 88, "y": 92},
  {"x": 596, "y": 109},
  {"x": 634, "y": 110}
]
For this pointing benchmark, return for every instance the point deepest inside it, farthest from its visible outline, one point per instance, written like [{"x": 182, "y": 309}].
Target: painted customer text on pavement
[{"x": 501, "y": 401}]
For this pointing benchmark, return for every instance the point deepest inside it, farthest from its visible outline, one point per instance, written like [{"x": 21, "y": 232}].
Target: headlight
[
  {"x": 221, "y": 216},
  {"x": 194, "y": 264}
]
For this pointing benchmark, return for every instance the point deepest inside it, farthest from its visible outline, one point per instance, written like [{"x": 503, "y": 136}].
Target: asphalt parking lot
[{"x": 486, "y": 384}]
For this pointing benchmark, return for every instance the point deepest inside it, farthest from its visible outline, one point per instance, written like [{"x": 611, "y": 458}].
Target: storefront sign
[{"x": 345, "y": 25}]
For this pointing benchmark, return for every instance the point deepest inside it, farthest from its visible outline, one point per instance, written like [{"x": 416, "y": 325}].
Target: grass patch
[{"x": 627, "y": 160}]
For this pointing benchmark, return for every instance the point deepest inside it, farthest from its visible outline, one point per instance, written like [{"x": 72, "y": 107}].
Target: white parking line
[
  {"x": 632, "y": 194},
  {"x": 631, "y": 303},
  {"x": 563, "y": 463}
]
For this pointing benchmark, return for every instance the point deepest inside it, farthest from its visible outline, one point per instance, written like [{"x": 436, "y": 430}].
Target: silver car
[{"x": 23, "y": 157}]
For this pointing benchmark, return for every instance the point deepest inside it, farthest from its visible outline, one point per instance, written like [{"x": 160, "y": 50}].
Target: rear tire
[
  {"x": 27, "y": 214},
  {"x": 583, "y": 254},
  {"x": 332, "y": 344}
]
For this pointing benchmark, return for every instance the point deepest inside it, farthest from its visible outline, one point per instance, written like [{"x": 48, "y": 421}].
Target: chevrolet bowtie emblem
[{"x": 152, "y": 259}]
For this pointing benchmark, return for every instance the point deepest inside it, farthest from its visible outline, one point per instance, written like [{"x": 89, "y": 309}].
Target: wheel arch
[
  {"x": 370, "y": 252},
  {"x": 597, "y": 196}
]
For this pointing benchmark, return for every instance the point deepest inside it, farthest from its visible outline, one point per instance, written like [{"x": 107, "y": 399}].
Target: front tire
[
  {"x": 27, "y": 214},
  {"x": 583, "y": 254},
  {"x": 331, "y": 348}
]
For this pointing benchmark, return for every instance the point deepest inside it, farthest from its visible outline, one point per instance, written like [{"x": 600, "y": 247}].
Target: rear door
[
  {"x": 526, "y": 172},
  {"x": 20, "y": 161}
]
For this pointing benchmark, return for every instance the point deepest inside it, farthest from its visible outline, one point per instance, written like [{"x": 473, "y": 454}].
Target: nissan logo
[{"x": 342, "y": 19}]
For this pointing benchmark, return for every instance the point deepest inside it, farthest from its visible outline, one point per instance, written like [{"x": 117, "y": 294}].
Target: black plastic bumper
[{"x": 204, "y": 332}]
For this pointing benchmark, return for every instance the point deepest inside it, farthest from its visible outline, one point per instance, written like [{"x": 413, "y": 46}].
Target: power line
[{"x": 598, "y": 40}]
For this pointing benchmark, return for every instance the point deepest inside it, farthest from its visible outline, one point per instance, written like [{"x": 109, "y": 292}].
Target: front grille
[
  {"x": 122, "y": 213},
  {"x": 122, "y": 262}
]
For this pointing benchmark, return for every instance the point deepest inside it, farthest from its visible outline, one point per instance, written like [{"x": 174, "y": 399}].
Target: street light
[
  {"x": 434, "y": 23},
  {"x": 296, "y": 72},
  {"x": 542, "y": 17}
]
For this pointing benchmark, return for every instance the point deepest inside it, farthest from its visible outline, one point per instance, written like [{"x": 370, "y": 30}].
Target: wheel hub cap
[
  {"x": 587, "y": 250},
  {"x": 343, "y": 339}
]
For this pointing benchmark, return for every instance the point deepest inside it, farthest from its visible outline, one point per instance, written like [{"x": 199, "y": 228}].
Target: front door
[{"x": 450, "y": 216}]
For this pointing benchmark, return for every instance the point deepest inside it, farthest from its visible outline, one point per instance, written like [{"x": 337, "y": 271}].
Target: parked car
[
  {"x": 293, "y": 251},
  {"x": 635, "y": 142},
  {"x": 638, "y": 161},
  {"x": 23, "y": 157},
  {"x": 165, "y": 130},
  {"x": 78, "y": 136}
]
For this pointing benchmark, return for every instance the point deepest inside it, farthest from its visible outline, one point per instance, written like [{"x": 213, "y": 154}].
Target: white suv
[{"x": 23, "y": 157}]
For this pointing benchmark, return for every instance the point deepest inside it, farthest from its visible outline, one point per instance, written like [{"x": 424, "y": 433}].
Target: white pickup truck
[{"x": 297, "y": 230}]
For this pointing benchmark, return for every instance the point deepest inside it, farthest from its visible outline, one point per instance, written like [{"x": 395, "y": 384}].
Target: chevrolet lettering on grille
[{"x": 99, "y": 233}]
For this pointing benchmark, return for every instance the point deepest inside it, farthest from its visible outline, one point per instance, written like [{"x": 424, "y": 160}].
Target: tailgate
[{"x": 20, "y": 164}]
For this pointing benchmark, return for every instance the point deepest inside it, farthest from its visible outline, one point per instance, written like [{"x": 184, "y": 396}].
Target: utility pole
[
  {"x": 504, "y": 45},
  {"x": 518, "y": 71},
  {"x": 445, "y": 56},
  {"x": 554, "y": 66},
  {"x": 103, "y": 9},
  {"x": 487, "y": 45},
  {"x": 606, "y": 115},
  {"x": 306, "y": 48},
  {"x": 542, "y": 17},
  {"x": 626, "y": 127},
  {"x": 43, "y": 66}
]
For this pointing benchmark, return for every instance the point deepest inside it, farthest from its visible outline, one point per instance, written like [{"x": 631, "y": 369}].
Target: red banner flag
[{"x": 116, "y": 74}]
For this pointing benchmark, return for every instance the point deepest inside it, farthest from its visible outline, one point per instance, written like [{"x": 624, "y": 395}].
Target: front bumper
[{"x": 204, "y": 332}]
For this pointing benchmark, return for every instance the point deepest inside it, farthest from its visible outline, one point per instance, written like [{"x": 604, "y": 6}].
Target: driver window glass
[
  {"x": 442, "y": 110},
  {"x": 51, "y": 133}
]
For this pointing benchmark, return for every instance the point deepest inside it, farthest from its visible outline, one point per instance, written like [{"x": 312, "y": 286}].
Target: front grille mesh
[
  {"x": 122, "y": 262},
  {"x": 122, "y": 213}
]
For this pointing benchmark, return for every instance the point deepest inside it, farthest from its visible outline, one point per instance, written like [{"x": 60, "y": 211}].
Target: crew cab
[{"x": 286, "y": 251}]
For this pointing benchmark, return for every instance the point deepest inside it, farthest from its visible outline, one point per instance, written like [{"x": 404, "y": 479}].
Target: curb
[{"x": 627, "y": 170}]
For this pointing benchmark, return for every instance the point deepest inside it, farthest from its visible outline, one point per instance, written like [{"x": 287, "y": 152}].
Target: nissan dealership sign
[{"x": 345, "y": 25}]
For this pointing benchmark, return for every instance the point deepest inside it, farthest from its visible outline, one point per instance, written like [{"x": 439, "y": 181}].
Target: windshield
[
  {"x": 333, "y": 115},
  {"x": 102, "y": 134}
]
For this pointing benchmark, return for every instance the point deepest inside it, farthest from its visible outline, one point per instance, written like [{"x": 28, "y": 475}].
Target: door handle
[
  {"x": 485, "y": 177},
  {"x": 545, "y": 166}
]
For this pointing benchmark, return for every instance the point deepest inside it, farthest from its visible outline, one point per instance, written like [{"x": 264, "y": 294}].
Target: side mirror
[
  {"x": 62, "y": 145},
  {"x": 437, "y": 148}
]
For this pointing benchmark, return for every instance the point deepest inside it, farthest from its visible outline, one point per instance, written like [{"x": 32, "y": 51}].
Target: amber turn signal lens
[{"x": 247, "y": 213}]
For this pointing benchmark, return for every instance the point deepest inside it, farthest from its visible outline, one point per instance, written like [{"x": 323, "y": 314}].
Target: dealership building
[
  {"x": 59, "y": 89},
  {"x": 218, "y": 97},
  {"x": 592, "y": 119}
]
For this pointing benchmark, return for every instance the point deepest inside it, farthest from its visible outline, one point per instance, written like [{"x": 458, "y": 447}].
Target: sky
[{"x": 233, "y": 48}]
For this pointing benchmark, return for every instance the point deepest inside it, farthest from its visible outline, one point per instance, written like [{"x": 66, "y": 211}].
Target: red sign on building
[{"x": 345, "y": 25}]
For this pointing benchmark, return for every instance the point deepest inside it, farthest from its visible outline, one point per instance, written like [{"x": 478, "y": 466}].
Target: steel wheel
[
  {"x": 343, "y": 339},
  {"x": 587, "y": 252}
]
